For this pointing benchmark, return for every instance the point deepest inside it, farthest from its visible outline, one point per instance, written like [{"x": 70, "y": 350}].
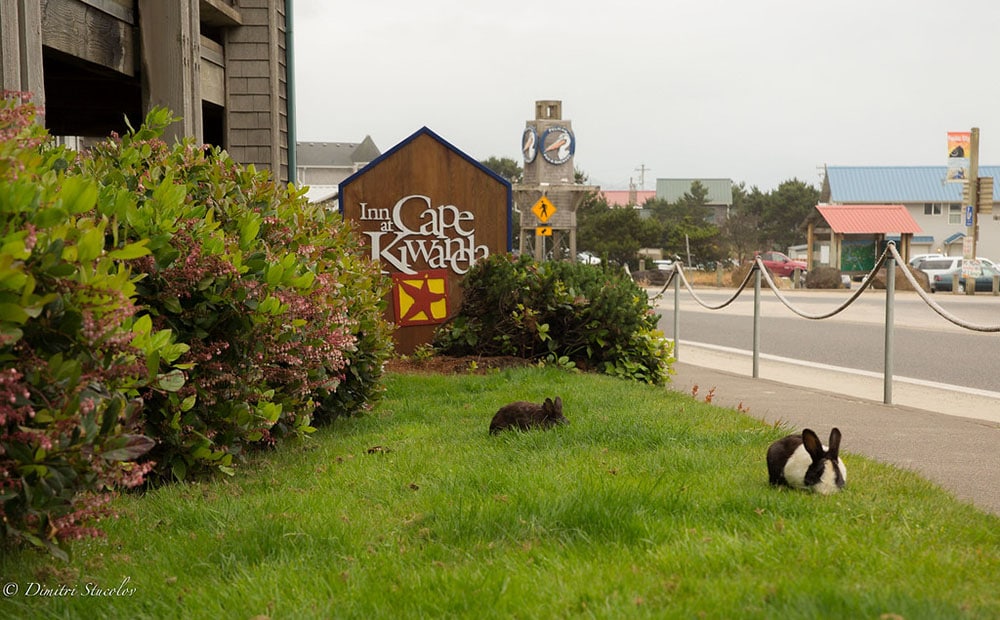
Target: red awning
[{"x": 868, "y": 219}]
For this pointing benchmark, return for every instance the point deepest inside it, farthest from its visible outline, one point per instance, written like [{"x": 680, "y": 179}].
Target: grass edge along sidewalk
[{"x": 650, "y": 503}]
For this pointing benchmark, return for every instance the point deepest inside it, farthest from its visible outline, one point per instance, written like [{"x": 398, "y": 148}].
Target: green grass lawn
[{"x": 649, "y": 504}]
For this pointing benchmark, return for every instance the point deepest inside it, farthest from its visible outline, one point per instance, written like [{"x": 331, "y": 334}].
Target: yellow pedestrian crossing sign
[
  {"x": 543, "y": 231},
  {"x": 543, "y": 209}
]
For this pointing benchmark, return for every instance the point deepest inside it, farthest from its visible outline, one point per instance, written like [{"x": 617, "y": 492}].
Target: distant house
[
  {"x": 720, "y": 194},
  {"x": 627, "y": 197},
  {"x": 329, "y": 163},
  {"x": 323, "y": 165},
  {"x": 936, "y": 206}
]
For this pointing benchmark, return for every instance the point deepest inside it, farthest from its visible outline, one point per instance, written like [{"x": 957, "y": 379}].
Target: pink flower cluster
[
  {"x": 180, "y": 277},
  {"x": 16, "y": 120},
  {"x": 15, "y": 407},
  {"x": 87, "y": 508},
  {"x": 122, "y": 474}
]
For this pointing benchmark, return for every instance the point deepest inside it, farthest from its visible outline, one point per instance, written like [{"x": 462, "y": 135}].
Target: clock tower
[{"x": 549, "y": 196}]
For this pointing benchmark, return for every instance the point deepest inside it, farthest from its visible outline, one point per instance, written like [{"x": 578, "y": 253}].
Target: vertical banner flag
[{"x": 959, "y": 143}]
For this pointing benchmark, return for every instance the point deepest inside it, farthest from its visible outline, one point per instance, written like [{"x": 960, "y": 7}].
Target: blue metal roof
[
  {"x": 896, "y": 184},
  {"x": 954, "y": 237}
]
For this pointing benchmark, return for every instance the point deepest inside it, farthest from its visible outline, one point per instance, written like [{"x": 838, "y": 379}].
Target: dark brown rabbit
[{"x": 525, "y": 415}]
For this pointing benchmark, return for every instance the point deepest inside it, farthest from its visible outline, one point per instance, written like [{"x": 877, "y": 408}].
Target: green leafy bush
[
  {"x": 70, "y": 367},
  {"x": 267, "y": 291},
  {"x": 566, "y": 313},
  {"x": 167, "y": 304}
]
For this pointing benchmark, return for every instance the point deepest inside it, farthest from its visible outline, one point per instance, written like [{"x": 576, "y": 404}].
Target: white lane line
[{"x": 841, "y": 369}]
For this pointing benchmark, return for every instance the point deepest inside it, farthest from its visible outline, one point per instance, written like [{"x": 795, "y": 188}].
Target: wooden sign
[
  {"x": 427, "y": 212},
  {"x": 985, "y": 197}
]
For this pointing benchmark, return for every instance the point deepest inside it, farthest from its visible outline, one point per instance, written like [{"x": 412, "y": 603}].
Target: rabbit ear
[
  {"x": 548, "y": 403},
  {"x": 558, "y": 404},
  {"x": 834, "y": 443},
  {"x": 812, "y": 444}
]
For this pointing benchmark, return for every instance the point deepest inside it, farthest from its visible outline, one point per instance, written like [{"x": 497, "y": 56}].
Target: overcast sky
[{"x": 758, "y": 91}]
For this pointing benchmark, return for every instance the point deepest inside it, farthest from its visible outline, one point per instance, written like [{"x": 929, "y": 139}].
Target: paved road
[
  {"x": 957, "y": 358},
  {"x": 929, "y": 350}
]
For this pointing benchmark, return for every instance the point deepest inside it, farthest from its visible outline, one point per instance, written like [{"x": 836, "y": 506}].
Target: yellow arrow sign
[
  {"x": 543, "y": 231},
  {"x": 543, "y": 209}
]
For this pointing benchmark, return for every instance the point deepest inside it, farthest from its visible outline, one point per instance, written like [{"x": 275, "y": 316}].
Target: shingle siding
[{"x": 257, "y": 102}]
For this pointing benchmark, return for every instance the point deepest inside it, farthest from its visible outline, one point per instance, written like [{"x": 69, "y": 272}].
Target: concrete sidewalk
[{"x": 951, "y": 438}]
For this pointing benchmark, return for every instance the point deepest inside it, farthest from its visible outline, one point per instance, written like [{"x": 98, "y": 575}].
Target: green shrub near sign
[{"x": 591, "y": 317}]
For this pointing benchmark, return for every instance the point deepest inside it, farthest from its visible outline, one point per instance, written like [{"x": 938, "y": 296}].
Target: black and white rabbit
[
  {"x": 803, "y": 462},
  {"x": 525, "y": 415}
]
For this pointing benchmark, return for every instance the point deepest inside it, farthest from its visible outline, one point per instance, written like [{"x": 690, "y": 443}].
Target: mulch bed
[{"x": 447, "y": 365}]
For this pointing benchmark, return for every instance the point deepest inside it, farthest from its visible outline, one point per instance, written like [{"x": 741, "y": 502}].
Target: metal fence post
[
  {"x": 677, "y": 311},
  {"x": 890, "y": 294},
  {"x": 756, "y": 322}
]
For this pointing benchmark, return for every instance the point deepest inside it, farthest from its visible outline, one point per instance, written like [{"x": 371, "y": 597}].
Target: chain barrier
[
  {"x": 933, "y": 304},
  {"x": 759, "y": 272},
  {"x": 677, "y": 271},
  {"x": 866, "y": 283}
]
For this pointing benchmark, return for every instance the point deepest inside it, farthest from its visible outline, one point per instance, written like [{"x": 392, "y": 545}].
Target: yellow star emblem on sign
[{"x": 421, "y": 298}]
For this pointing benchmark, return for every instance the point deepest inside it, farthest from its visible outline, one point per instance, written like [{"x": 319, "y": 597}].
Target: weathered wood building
[{"x": 221, "y": 65}]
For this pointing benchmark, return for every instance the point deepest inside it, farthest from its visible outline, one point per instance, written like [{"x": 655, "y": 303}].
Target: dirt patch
[{"x": 447, "y": 365}]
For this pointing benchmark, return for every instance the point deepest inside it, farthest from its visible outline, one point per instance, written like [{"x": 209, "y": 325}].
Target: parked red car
[{"x": 780, "y": 265}]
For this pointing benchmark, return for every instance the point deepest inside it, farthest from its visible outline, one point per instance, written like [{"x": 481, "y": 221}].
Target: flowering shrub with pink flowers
[
  {"x": 271, "y": 296},
  {"x": 162, "y": 311},
  {"x": 71, "y": 423}
]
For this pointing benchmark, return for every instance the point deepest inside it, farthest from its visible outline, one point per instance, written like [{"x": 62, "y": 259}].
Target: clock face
[
  {"x": 529, "y": 145},
  {"x": 558, "y": 145}
]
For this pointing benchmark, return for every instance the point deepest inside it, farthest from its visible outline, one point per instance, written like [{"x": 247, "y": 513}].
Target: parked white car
[
  {"x": 919, "y": 258},
  {"x": 955, "y": 261},
  {"x": 939, "y": 267}
]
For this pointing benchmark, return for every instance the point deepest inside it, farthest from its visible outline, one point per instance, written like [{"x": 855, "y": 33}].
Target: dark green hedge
[{"x": 586, "y": 316}]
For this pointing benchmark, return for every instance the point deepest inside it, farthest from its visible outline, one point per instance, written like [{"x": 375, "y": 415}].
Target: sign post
[
  {"x": 543, "y": 210},
  {"x": 963, "y": 167},
  {"x": 973, "y": 184}
]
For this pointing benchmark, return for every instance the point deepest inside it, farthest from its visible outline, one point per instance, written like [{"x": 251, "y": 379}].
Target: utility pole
[
  {"x": 972, "y": 204},
  {"x": 642, "y": 175},
  {"x": 973, "y": 184}
]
